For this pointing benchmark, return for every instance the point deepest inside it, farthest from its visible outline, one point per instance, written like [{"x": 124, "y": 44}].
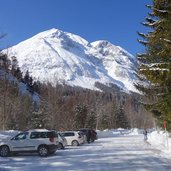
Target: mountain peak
[
  {"x": 58, "y": 56},
  {"x": 101, "y": 43},
  {"x": 48, "y": 33}
]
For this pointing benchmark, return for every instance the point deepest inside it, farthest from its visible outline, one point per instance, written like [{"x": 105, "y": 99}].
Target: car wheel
[
  {"x": 4, "y": 151},
  {"x": 75, "y": 143},
  {"x": 43, "y": 151},
  {"x": 92, "y": 140},
  {"x": 60, "y": 146}
]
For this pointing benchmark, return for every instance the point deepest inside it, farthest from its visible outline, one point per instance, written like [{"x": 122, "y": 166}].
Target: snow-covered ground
[{"x": 114, "y": 150}]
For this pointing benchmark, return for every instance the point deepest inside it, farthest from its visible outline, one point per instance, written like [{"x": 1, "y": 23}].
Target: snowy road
[{"x": 121, "y": 153}]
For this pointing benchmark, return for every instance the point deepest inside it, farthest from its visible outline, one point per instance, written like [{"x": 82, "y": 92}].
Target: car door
[
  {"x": 20, "y": 142},
  {"x": 69, "y": 137}
]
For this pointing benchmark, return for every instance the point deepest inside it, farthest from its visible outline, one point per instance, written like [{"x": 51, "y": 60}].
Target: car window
[
  {"x": 68, "y": 134},
  {"x": 52, "y": 134},
  {"x": 21, "y": 136},
  {"x": 35, "y": 135}
]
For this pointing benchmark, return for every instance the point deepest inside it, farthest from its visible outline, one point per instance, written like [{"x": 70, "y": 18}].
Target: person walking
[
  {"x": 145, "y": 134},
  {"x": 88, "y": 136}
]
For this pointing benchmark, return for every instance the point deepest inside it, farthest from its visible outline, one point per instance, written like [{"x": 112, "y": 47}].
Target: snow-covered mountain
[{"x": 58, "y": 56}]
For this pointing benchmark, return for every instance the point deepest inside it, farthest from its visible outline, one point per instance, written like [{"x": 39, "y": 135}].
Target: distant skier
[{"x": 145, "y": 134}]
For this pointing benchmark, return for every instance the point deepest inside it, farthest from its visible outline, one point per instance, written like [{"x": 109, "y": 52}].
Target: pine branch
[
  {"x": 142, "y": 34},
  {"x": 151, "y": 24},
  {"x": 160, "y": 11},
  {"x": 151, "y": 14},
  {"x": 151, "y": 32},
  {"x": 145, "y": 36},
  {"x": 161, "y": 64},
  {"x": 150, "y": 20},
  {"x": 143, "y": 42},
  {"x": 140, "y": 55},
  {"x": 149, "y": 6},
  {"x": 167, "y": 40}
]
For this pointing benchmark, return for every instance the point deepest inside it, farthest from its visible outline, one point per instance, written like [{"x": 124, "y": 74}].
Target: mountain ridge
[{"x": 58, "y": 56}]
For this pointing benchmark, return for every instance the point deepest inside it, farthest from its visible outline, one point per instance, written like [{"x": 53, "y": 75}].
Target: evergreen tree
[
  {"x": 14, "y": 65},
  {"x": 4, "y": 62},
  {"x": 120, "y": 119},
  {"x": 91, "y": 120},
  {"x": 155, "y": 63},
  {"x": 18, "y": 74},
  {"x": 26, "y": 77},
  {"x": 80, "y": 116},
  {"x": 104, "y": 122},
  {"x": 38, "y": 119},
  {"x": 28, "y": 80}
]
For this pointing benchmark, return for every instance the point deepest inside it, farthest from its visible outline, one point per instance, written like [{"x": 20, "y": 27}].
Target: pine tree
[
  {"x": 120, "y": 119},
  {"x": 4, "y": 62},
  {"x": 91, "y": 120},
  {"x": 26, "y": 77},
  {"x": 155, "y": 63},
  {"x": 104, "y": 122},
  {"x": 80, "y": 116},
  {"x": 14, "y": 65},
  {"x": 18, "y": 74},
  {"x": 38, "y": 119}
]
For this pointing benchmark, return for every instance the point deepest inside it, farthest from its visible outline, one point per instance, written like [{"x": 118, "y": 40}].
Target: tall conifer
[{"x": 155, "y": 63}]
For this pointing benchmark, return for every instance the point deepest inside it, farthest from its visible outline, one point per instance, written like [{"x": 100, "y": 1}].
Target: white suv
[
  {"x": 73, "y": 138},
  {"x": 38, "y": 140}
]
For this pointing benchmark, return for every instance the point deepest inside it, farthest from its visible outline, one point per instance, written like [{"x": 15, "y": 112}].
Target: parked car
[
  {"x": 91, "y": 134},
  {"x": 42, "y": 141},
  {"x": 62, "y": 142},
  {"x": 84, "y": 136},
  {"x": 73, "y": 138}
]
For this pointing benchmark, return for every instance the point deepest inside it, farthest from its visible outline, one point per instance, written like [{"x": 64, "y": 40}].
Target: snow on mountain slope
[
  {"x": 23, "y": 89},
  {"x": 57, "y": 56}
]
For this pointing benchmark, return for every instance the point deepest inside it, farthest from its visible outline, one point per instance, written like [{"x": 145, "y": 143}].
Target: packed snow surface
[
  {"x": 62, "y": 57},
  {"x": 120, "y": 150}
]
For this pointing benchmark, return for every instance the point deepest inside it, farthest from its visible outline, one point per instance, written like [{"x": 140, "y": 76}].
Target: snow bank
[
  {"x": 135, "y": 131},
  {"x": 116, "y": 132},
  {"x": 160, "y": 140},
  {"x": 107, "y": 133}
]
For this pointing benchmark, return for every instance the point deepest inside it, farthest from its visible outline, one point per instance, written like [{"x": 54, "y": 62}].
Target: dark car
[{"x": 91, "y": 134}]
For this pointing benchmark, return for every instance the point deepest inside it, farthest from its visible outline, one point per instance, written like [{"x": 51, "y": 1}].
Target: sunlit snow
[
  {"x": 120, "y": 150},
  {"x": 54, "y": 55}
]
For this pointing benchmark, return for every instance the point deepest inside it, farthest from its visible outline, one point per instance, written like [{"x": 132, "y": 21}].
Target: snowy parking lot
[{"x": 109, "y": 153}]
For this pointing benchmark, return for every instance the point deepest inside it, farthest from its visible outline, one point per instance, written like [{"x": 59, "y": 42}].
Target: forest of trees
[
  {"x": 63, "y": 107},
  {"x": 155, "y": 62}
]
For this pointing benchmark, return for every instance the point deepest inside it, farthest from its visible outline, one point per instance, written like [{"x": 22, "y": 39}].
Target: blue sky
[{"x": 114, "y": 20}]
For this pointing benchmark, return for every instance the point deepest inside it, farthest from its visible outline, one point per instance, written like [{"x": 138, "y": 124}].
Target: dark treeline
[{"x": 73, "y": 107}]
